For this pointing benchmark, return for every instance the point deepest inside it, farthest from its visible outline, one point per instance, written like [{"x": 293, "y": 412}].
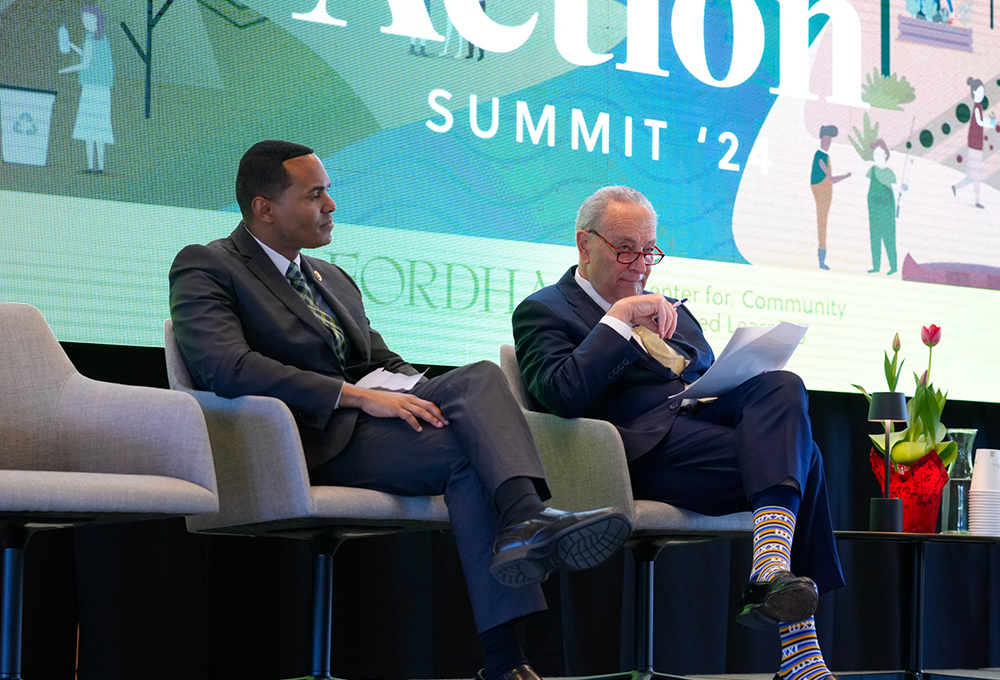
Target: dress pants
[
  {"x": 487, "y": 443},
  {"x": 716, "y": 458}
]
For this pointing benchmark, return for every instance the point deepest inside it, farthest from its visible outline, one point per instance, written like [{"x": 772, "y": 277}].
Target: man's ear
[
  {"x": 582, "y": 239},
  {"x": 262, "y": 209}
]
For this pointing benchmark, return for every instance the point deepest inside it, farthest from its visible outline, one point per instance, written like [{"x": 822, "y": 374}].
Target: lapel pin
[{"x": 318, "y": 277}]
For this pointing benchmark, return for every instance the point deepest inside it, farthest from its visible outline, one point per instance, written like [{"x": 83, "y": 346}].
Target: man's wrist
[
  {"x": 623, "y": 329},
  {"x": 351, "y": 396}
]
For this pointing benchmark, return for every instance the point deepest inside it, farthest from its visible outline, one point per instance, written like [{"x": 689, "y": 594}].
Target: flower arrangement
[{"x": 924, "y": 432}]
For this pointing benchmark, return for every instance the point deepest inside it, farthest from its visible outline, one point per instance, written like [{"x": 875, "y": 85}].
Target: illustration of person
[
  {"x": 937, "y": 12},
  {"x": 447, "y": 40},
  {"x": 974, "y": 157},
  {"x": 882, "y": 208},
  {"x": 97, "y": 74},
  {"x": 421, "y": 41},
  {"x": 821, "y": 182},
  {"x": 472, "y": 48}
]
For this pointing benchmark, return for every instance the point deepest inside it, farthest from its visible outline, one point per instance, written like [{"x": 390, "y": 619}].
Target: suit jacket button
[
  {"x": 674, "y": 405},
  {"x": 611, "y": 376}
]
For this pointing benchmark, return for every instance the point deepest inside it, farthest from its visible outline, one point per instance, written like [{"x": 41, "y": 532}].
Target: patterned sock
[
  {"x": 801, "y": 658},
  {"x": 773, "y": 528}
]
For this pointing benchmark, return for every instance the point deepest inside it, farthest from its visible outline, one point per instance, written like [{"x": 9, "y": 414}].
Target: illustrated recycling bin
[{"x": 25, "y": 114}]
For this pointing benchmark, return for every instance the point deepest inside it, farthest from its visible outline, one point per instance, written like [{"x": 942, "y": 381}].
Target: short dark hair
[{"x": 262, "y": 172}]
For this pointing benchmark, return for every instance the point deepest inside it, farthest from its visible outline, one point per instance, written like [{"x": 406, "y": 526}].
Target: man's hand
[
  {"x": 651, "y": 311},
  {"x": 386, "y": 404}
]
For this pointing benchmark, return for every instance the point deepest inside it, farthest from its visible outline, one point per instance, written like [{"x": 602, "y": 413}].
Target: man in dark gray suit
[{"x": 252, "y": 315}]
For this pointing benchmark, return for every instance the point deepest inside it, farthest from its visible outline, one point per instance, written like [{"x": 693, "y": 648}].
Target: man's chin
[
  {"x": 325, "y": 238},
  {"x": 628, "y": 291}
]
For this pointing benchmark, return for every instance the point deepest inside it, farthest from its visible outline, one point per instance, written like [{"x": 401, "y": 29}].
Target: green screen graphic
[{"x": 460, "y": 139}]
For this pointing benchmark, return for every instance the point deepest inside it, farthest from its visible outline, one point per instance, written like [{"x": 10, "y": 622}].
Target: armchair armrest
[
  {"x": 109, "y": 428},
  {"x": 585, "y": 462},
  {"x": 259, "y": 462}
]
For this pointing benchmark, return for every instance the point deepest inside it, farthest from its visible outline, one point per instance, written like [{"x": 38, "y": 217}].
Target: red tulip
[
  {"x": 930, "y": 335},
  {"x": 895, "y": 343}
]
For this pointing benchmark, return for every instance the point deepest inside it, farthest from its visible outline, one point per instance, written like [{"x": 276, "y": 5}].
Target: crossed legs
[{"x": 752, "y": 449}]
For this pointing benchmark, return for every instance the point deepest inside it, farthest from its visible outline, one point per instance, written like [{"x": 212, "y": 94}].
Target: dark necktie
[{"x": 294, "y": 276}]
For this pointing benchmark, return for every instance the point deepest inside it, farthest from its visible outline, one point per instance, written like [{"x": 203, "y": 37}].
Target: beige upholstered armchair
[
  {"x": 264, "y": 490},
  {"x": 76, "y": 451},
  {"x": 585, "y": 462}
]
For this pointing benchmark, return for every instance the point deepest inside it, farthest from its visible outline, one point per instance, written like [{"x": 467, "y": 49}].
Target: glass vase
[{"x": 955, "y": 498}]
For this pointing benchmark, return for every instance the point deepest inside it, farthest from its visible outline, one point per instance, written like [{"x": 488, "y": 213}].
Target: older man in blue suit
[{"x": 596, "y": 344}]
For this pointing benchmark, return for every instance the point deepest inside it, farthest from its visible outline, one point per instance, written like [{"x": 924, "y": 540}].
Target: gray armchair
[
  {"x": 586, "y": 467},
  {"x": 264, "y": 490},
  {"x": 76, "y": 451}
]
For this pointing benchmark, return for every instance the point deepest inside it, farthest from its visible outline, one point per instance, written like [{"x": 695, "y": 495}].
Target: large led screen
[{"x": 461, "y": 136}]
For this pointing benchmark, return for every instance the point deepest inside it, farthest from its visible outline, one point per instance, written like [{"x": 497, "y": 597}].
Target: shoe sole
[
  {"x": 796, "y": 603},
  {"x": 580, "y": 546}
]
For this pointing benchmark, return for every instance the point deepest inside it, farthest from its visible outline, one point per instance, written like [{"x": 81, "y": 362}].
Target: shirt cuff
[{"x": 622, "y": 328}]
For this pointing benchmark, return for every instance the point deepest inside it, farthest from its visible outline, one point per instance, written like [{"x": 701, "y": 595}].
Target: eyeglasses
[{"x": 628, "y": 257}]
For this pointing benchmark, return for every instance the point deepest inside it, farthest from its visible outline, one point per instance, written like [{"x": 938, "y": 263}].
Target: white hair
[{"x": 591, "y": 214}]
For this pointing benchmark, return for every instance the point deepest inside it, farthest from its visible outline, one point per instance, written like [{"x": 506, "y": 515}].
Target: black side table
[{"x": 915, "y": 671}]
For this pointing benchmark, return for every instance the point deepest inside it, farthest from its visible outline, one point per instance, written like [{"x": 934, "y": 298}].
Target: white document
[
  {"x": 751, "y": 351},
  {"x": 386, "y": 380}
]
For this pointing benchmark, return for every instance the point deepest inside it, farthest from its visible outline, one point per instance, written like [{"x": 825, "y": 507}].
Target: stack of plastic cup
[{"x": 984, "y": 496}]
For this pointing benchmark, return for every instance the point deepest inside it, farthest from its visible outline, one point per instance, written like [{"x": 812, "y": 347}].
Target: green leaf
[
  {"x": 929, "y": 412},
  {"x": 948, "y": 453},
  {"x": 878, "y": 440},
  {"x": 942, "y": 399},
  {"x": 892, "y": 371},
  {"x": 909, "y": 452},
  {"x": 863, "y": 391}
]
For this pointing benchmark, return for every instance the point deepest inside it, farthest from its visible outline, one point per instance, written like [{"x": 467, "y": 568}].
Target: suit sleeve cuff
[{"x": 622, "y": 328}]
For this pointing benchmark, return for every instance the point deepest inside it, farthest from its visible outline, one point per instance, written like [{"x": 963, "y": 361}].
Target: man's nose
[{"x": 331, "y": 205}]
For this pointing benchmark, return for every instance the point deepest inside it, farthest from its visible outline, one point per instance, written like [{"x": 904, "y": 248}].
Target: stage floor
[{"x": 979, "y": 674}]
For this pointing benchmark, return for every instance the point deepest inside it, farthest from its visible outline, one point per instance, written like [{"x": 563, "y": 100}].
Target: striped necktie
[
  {"x": 294, "y": 276},
  {"x": 659, "y": 350}
]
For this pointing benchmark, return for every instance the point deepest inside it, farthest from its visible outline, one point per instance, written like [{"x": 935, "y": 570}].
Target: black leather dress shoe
[
  {"x": 786, "y": 598},
  {"x": 554, "y": 540},
  {"x": 522, "y": 672}
]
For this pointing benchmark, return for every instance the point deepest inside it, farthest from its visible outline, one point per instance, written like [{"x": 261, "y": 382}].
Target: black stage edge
[{"x": 151, "y": 598}]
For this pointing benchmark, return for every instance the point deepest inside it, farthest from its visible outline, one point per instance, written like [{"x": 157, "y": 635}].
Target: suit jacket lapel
[
  {"x": 583, "y": 304},
  {"x": 261, "y": 266},
  {"x": 357, "y": 340}
]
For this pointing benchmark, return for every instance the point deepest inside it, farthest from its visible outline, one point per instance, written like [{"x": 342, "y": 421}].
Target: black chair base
[
  {"x": 13, "y": 537},
  {"x": 633, "y": 675},
  {"x": 644, "y": 550}
]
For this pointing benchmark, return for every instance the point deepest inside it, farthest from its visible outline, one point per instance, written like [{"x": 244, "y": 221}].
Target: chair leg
[
  {"x": 14, "y": 538},
  {"x": 323, "y": 551},
  {"x": 644, "y": 552}
]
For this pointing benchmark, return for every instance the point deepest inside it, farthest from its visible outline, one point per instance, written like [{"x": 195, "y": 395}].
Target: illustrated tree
[
  {"x": 147, "y": 54},
  {"x": 886, "y": 29}
]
